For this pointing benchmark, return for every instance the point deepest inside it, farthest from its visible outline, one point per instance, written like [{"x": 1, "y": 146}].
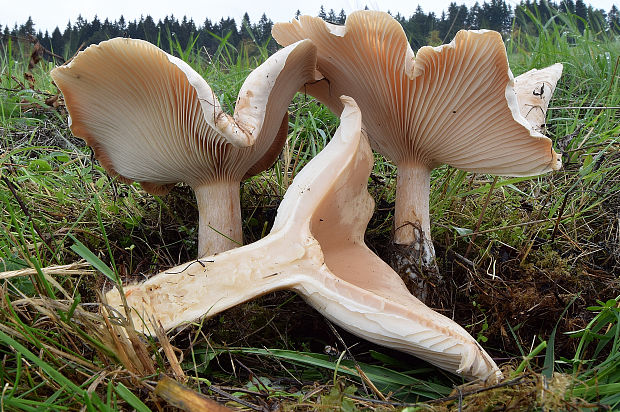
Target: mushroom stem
[
  {"x": 219, "y": 211},
  {"x": 316, "y": 248},
  {"x": 209, "y": 286},
  {"x": 412, "y": 224}
]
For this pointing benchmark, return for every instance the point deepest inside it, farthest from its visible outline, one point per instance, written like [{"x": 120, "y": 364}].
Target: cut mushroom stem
[
  {"x": 316, "y": 248},
  {"x": 219, "y": 211}
]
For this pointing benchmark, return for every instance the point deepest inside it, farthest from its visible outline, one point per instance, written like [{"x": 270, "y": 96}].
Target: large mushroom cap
[
  {"x": 316, "y": 247},
  {"x": 451, "y": 104},
  {"x": 151, "y": 118},
  {"x": 534, "y": 90}
]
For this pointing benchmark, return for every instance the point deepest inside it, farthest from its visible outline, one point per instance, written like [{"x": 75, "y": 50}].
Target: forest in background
[{"x": 421, "y": 28}]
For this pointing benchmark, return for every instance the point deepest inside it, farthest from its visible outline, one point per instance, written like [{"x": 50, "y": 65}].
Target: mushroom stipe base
[{"x": 421, "y": 277}]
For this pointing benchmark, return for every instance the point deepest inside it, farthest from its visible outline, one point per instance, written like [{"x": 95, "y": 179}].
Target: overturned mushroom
[
  {"x": 151, "y": 118},
  {"x": 316, "y": 248},
  {"x": 451, "y": 104},
  {"x": 534, "y": 90}
]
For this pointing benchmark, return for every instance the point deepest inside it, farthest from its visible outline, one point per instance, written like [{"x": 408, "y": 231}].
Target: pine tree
[
  {"x": 342, "y": 17},
  {"x": 322, "y": 13},
  {"x": 457, "y": 17},
  {"x": 567, "y": 6},
  {"x": 121, "y": 25},
  {"x": 474, "y": 19},
  {"x": 613, "y": 19},
  {"x": 247, "y": 31},
  {"x": 597, "y": 19},
  {"x": 331, "y": 16},
  {"x": 27, "y": 28},
  {"x": 57, "y": 45},
  {"x": 581, "y": 11},
  {"x": 264, "y": 29}
]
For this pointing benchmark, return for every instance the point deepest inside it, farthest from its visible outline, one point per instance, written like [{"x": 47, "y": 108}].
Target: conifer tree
[
  {"x": 613, "y": 19},
  {"x": 322, "y": 13},
  {"x": 581, "y": 11}
]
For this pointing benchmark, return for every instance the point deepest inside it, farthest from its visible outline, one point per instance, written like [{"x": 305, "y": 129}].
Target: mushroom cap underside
[
  {"x": 137, "y": 107},
  {"x": 316, "y": 248},
  {"x": 451, "y": 104},
  {"x": 361, "y": 293}
]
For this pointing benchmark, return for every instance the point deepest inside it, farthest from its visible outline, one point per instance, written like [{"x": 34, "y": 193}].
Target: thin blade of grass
[{"x": 85, "y": 253}]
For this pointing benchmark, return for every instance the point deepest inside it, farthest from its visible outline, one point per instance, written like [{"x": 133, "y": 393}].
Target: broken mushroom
[
  {"x": 534, "y": 90},
  {"x": 451, "y": 104},
  {"x": 316, "y": 248},
  {"x": 150, "y": 118}
]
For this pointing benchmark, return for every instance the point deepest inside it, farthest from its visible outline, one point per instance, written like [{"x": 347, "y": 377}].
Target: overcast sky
[{"x": 47, "y": 14}]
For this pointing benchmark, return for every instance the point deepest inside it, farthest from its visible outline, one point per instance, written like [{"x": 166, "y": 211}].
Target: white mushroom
[
  {"x": 151, "y": 118},
  {"x": 316, "y": 248},
  {"x": 452, "y": 104}
]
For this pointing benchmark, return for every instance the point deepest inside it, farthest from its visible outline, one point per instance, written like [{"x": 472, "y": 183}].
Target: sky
[{"x": 47, "y": 14}]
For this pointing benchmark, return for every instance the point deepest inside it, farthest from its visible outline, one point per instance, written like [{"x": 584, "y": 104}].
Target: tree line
[{"x": 421, "y": 28}]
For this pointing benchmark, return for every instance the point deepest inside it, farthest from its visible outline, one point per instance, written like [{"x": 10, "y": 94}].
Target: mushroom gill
[
  {"x": 453, "y": 104},
  {"x": 316, "y": 248},
  {"x": 150, "y": 118}
]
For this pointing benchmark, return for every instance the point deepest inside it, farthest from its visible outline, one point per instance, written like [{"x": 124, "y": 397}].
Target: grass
[{"x": 537, "y": 284}]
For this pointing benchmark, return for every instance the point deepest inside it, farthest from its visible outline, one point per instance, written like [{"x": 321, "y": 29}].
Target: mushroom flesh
[
  {"x": 316, "y": 248},
  {"x": 534, "y": 90}
]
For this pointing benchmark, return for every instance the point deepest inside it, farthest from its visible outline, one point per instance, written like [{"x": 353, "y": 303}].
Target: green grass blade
[
  {"x": 47, "y": 368},
  {"x": 549, "y": 364},
  {"x": 131, "y": 399},
  {"x": 79, "y": 248},
  {"x": 383, "y": 378}
]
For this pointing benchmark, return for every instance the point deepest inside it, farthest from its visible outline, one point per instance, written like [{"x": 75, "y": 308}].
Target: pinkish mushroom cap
[
  {"x": 316, "y": 248},
  {"x": 151, "y": 118},
  {"x": 452, "y": 104}
]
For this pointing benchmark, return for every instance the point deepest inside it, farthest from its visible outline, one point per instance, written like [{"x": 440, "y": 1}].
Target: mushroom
[
  {"x": 534, "y": 90},
  {"x": 316, "y": 248},
  {"x": 151, "y": 118},
  {"x": 452, "y": 104}
]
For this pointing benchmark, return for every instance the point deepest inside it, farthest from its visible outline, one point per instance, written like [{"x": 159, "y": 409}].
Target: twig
[
  {"x": 592, "y": 146},
  {"x": 253, "y": 375},
  {"x": 461, "y": 395},
  {"x": 559, "y": 218},
  {"x": 22, "y": 89},
  {"x": 164, "y": 342},
  {"x": 380, "y": 402},
  {"x": 346, "y": 349},
  {"x": 78, "y": 268},
  {"x": 585, "y": 107},
  {"x": 184, "y": 398},
  {"x": 613, "y": 77},
  {"x": 480, "y": 390}
]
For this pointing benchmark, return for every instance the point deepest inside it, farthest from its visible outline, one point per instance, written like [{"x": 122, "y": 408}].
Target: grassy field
[{"x": 532, "y": 263}]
